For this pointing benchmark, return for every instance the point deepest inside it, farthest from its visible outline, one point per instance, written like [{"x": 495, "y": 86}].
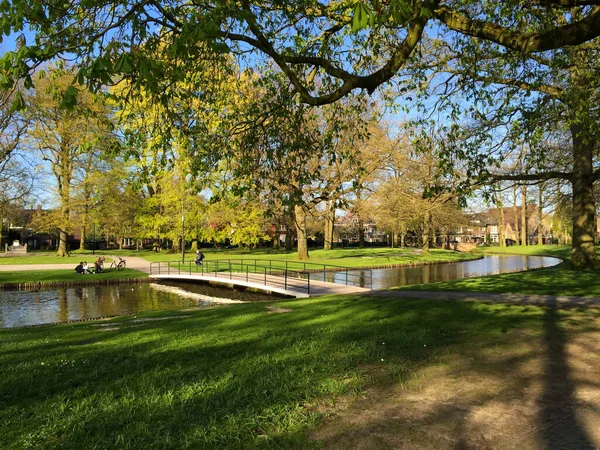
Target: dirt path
[{"x": 523, "y": 391}]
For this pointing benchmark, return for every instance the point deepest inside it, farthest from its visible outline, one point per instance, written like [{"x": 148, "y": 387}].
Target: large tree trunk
[
  {"x": 82, "y": 239},
  {"x": 300, "y": 222},
  {"x": 329, "y": 224},
  {"x": 583, "y": 250},
  {"x": 425, "y": 236},
  {"x": 62, "y": 244},
  {"x": 524, "y": 215}
]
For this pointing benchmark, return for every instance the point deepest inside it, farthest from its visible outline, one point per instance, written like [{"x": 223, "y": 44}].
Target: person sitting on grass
[
  {"x": 79, "y": 268},
  {"x": 99, "y": 264},
  {"x": 86, "y": 268}
]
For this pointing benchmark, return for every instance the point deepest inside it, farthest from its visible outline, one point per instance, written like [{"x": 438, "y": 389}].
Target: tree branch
[{"x": 572, "y": 34}]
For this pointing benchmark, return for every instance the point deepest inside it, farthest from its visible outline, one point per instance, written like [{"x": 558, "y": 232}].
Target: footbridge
[{"x": 293, "y": 278}]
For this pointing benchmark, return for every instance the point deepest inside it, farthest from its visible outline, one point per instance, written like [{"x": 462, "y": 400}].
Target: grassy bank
[
  {"x": 558, "y": 280},
  {"x": 233, "y": 377},
  {"x": 351, "y": 257},
  {"x": 67, "y": 276},
  {"x": 558, "y": 251}
]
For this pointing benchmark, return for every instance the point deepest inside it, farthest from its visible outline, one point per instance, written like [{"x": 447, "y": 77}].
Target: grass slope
[
  {"x": 232, "y": 377},
  {"x": 62, "y": 275}
]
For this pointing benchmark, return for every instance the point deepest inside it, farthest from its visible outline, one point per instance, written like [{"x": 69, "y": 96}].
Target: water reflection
[
  {"x": 402, "y": 276},
  {"x": 21, "y": 308}
]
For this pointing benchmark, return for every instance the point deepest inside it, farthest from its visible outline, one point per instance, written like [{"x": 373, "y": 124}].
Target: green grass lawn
[
  {"x": 66, "y": 275},
  {"x": 230, "y": 377},
  {"x": 559, "y": 251},
  {"x": 350, "y": 257}
]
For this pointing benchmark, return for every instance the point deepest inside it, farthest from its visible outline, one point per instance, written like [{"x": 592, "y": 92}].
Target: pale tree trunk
[
  {"x": 501, "y": 230},
  {"x": 121, "y": 243},
  {"x": 445, "y": 244},
  {"x": 524, "y": 215},
  {"x": 329, "y": 224},
  {"x": 64, "y": 169},
  {"x": 394, "y": 239},
  {"x": 516, "y": 217},
  {"x": 583, "y": 250},
  {"x": 62, "y": 244},
  {"x": 300, "y": 222},
  {"x": 540, "y": 233},
  {"x": 194, "y": 245},
  {"x": 403, "y": 240},
  {"x": 83, "y": 235},
  {"x": 425, "y": 236}
]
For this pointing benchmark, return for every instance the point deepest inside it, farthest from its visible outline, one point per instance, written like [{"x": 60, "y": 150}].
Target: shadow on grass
[{"x": 234, "y": 377}]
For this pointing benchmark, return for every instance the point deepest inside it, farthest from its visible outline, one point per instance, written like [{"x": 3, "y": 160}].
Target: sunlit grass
[
  {"x": 233, "y": 377},
  {"x": 64, "y": 275},
  {"x": 559, "y": 251}
]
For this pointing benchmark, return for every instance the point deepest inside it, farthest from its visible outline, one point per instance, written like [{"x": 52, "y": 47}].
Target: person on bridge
[{"x": 199, "y": 257}]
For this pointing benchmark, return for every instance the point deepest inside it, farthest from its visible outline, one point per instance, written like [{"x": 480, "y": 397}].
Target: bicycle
[{"x": 117, "y": 262}]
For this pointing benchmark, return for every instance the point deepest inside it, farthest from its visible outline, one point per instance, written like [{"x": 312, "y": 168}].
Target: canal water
[
  {"x": 433, "y": 273},
  {"x": 22, "y": 308}
]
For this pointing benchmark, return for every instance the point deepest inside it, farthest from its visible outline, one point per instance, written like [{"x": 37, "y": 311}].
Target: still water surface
[
  {"x": 403, "y": 276},
  {"x": 21, "y": 308}
]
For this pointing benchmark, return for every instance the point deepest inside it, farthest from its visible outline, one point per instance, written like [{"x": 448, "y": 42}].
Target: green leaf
[
  {"x": 70, "y": 99},
  {"x": 362, "y": 17},
  {"x": 123, "y": 64},
  {"x": 18, "y": 104}
]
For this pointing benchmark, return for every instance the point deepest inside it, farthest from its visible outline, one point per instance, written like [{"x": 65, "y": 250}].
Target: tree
[
  {"x": 328, "y": 41},
  {"x": 545, "y": 103},
  {"x": 64, "y": 137}
]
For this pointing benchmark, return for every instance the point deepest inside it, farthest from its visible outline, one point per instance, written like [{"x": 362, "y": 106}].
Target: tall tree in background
[{"x": 64, "y": 138}]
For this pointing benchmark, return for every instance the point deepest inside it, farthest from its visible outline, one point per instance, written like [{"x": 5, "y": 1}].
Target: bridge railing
[
  {"x": 268, "y": 271},
  {"x": 288, "y": 279}
]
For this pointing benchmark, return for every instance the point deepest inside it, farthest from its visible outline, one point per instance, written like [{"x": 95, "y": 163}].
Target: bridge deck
[{"x": 268, "y": 283}]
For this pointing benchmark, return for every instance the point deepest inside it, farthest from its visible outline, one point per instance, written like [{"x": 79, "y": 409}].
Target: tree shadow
[{"x": 561, "y": 427}]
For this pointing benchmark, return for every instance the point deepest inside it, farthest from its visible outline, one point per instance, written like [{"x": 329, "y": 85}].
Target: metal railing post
[
  {"x": 286, "y": 272},
  {"x": 308, "y": 282},
  {"x": 247, "y": 266},
  {"x": 230, "y": 271},
  {"x": 346, "y": 276},
  {"x": 265, "y": 276}
]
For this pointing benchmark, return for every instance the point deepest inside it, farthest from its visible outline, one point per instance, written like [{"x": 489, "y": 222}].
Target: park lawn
[
  {"x": 347, "y": 257},
  {"x": 232, "y": 377},
  {"x": 558, "y": 251},
  {"x": 66, "y": 275},
  {"x": 51, "y": 258}
]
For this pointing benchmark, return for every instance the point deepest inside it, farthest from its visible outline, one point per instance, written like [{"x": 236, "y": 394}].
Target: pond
[
  {"x": 402, "y": 276},
  {"x": 22, "y": 308}
]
